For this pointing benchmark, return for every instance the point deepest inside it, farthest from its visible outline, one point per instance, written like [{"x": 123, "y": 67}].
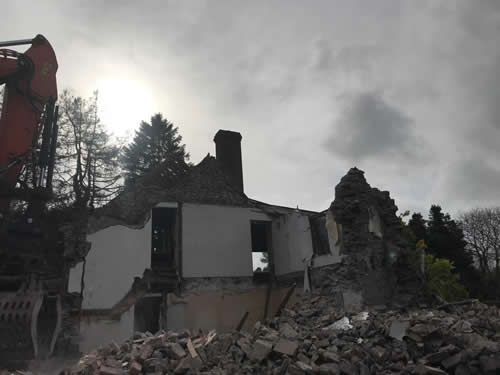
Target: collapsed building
[{"x": 193, "y": 251}]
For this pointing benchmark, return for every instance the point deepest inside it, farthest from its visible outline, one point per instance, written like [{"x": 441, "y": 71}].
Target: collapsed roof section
[{"x": 204, "y": 183}]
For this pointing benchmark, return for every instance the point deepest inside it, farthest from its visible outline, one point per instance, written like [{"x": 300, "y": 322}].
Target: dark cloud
[
  {"x": 354, "y": 58},
  {"x": 474, "y": 182},
  {"x": 426, "y": 74},
  {"x": 369, "y": 127}
]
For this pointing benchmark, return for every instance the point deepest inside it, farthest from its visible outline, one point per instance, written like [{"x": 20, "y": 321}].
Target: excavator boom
[
  {"x": 30, "y": 84},
  {"x": 28, "y": 128}
]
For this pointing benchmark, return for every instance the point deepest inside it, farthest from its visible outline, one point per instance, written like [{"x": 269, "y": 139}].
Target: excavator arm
[
  {"x": 28, "y": 127},
  {"x": 29, "y": 97}
]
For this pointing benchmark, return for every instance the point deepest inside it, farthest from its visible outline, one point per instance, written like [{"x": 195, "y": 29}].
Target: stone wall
[{"x": 373, "y": 247}]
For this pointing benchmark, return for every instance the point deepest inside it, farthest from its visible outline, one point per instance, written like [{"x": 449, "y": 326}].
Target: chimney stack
[{"x": 228, "y": 154}]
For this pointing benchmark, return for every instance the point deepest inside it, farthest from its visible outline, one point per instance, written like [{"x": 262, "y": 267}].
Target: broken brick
[
  {"x": 364, "y": 349},
  {"x": 303, "y": 366},
  {"x": 177, "y": 351},
  {"x": 145, "y": 352},
  {"x": 286, "y": 347},
  {"x": 261, "y": 350},
  {"x": 490, "y": 365},
  {"x": 105, "y": 370},
  {"x": 135, "y": 368},
  {"x": 453, "y": 361},
  {"x": 329, "y": 369},
  {"x": 428, "y": 370},
  {"x": 329, "y": 356},
  {"x": 188, "y": 363}
]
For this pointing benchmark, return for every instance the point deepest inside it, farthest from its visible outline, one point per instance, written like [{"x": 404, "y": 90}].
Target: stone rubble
[{"x": 460, "y": 340}]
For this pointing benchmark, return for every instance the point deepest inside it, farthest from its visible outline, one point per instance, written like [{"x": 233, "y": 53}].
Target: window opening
[
  {"x": 319, "y": 235},
  {"x": 261, "y": 246},
  {"x": 163, "y": 237}
]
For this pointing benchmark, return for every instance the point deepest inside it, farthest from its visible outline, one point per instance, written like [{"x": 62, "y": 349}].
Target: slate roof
[
  {"x": 207, "y": 183},
  {"x": 203, "y": 183}
]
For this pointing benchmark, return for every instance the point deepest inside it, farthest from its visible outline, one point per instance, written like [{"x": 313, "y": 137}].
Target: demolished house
[{"x": 193, "y": 251}]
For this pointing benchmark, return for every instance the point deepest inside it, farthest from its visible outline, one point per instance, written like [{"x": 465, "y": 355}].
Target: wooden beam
[{"x": 285, "y": 300}]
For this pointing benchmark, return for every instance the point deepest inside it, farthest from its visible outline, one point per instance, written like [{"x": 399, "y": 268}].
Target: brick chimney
[{"x": 228, "y": 154}]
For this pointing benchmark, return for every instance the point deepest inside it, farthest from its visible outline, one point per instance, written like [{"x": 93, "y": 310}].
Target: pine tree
[
  {"x": 154, "y": 143},
  {"x": 417, "y": 226},
  {"x": 444, "y": 239}
]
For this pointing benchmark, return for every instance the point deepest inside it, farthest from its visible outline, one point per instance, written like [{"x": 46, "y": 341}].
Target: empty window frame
[
  {"x": 319, "y": 235},
  {"x": 163, "y": 237},
  {"x": 261, "y": 245}
]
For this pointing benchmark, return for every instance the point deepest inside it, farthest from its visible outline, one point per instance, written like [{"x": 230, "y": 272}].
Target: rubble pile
[{"x": 314, "y": 337}]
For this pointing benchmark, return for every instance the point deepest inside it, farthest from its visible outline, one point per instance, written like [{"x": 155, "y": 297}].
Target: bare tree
[
  {"x": 87, "y": 168},
  {"x": 481, "y": 227}
]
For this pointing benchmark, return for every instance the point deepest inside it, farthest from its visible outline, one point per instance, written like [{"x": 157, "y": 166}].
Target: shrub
[{"x": 442, "y": 281}]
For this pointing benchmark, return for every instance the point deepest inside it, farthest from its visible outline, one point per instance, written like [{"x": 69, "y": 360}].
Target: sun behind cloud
[{"x": 123, "y": 104}]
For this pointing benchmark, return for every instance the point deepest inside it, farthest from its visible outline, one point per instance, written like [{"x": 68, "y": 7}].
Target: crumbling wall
[
  {"x": 221, "y": 303},
  {"x": 203, "y": 183},
  {"x": 95, "y": 332},
  {"x": 118, "y": 255},
  {"x": 372, "y": 245}
]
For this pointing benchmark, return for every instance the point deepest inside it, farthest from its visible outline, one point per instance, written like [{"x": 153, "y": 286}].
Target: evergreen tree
[
  {"x": 445, "y": 239},
  {"x": 417, "y": 225},
  {"x": 154, "y": 143}
]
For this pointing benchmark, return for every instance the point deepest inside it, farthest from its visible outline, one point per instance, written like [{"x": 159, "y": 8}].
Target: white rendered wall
[
  {"x": 281, "y": 239},
  {"x": 216, "y": 240},
  {"x": 118, "y": 254},
  {"x": 292, "y": 242},
  {"x": 334, "y": 237}
]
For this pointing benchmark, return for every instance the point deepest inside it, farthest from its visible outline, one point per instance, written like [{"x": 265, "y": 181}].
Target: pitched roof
[
  {"x": 207, "y": 183},
  {"x": 204, "y": 183}
]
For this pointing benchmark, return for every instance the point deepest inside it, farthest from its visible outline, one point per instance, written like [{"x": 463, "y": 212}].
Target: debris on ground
[{"x": 460, "y": 339}]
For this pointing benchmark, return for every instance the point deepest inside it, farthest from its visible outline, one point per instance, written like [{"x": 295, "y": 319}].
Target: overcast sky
[{"x": 408, "y": 91}]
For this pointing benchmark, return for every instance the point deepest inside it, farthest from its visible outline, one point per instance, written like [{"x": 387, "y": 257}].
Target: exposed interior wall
[
  {"x": 222, "y": 310},
  {"x": 216, "y": 240},
  {"x": 334, "y": 231},
  {"x": 292, "y": 242},
  {"x": 374, "y": 222},
  {"x": 95, "y": 333},
  {"x": 118, "y": 254}
]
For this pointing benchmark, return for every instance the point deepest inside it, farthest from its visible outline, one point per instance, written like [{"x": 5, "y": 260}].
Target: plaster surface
[
  {"x": 292, "y": 243},
  {"x": 117, "y": 255},
  {"x": 216, "y": 240}
]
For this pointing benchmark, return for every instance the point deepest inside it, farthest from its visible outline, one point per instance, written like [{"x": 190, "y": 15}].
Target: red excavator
[
  {"x": 28, "y": 109},
  {"x": 30, "y": 259}
]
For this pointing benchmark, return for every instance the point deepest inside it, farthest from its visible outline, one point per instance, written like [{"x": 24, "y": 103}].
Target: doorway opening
[{"x": 163, "y": 237}]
